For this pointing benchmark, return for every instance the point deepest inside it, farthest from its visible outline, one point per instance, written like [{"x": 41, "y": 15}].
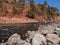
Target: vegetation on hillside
[{"x": 14, "y": 7}]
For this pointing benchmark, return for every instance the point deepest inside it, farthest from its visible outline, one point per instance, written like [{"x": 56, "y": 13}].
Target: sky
[{"x": 53, "y": 3}]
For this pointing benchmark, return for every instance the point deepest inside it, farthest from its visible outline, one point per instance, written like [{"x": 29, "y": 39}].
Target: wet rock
[
  {"x": 53, "y": 38},
  {"x": 39, "y": 39}
]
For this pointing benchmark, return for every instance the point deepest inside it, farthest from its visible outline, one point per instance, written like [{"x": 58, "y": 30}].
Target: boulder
[
  {"x": 57, "y": 30},
  {"x": 52, "y": 44},
  {"x": 39, "y": 39},
  {"x": 23, "y": 42},
  {"x": 47, "y": 31},
  {"x": 3, "y": 44},
  {"x": 26, "y": 43},
  {"x": 53, "y": 38},
  {"x": 14, "y": 39},
  {"x": 31, "y": 35}
]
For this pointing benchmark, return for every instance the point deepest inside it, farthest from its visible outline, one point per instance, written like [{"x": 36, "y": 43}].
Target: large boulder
[
  {"x": 31, "y": 35},
  {"x": 23, "y": 42},
  {"x": 53, "y": 38},
  {"x": 14, "y": 39},
  {"x": 39, "y": 39}
]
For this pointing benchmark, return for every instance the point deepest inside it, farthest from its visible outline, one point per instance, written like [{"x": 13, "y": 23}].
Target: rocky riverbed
[{"x": 48, "y": 34}]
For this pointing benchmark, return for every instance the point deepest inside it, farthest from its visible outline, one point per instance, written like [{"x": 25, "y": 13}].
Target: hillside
[{"x": 27, "y": 12}]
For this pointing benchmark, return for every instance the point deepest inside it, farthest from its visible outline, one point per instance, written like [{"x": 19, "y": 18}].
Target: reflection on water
[{"x": 6, "y": 32}]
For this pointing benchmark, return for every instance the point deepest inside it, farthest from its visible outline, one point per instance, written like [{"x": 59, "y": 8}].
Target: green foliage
[
  {"x": 43, "y": 9},
  {"x": 21, "y": 2},
  {"x": 0, "y": 4},
  {"x": 14, "y": 10},
  {"x": 50, "y": 12},
  {"x": 31, "y": 14}
]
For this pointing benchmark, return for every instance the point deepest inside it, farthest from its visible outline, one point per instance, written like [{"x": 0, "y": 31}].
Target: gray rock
[
  {"x": 14, "y": 39},
  {"x": 47, "y": 31},
  {"x": 3, "y": 44},
  {"x": 53, "y": 38},
  {"x": 52, "y": 44},
  {"x": 57, "y": 30},
  {"x": 31, "y": 35},
  {"x": 23, "y": 42},
  {"x": 39, "y": 39}
]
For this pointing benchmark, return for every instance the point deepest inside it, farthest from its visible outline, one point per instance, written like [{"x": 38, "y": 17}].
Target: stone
[
  {"x": 39, "y": 39},
  {"x": 31, "y": 35},
  {"x": 57, "y": 30},
  {"x": 3, "y": 44},
  {"x": 52, "y": 44},
  {"x": 26, "y": 43},
  {"x": 23, "y": 42},
  {"x": 53, "y": 38},
  {"x": 14, "y": 39},
  {"x": 47, "y": 31}
]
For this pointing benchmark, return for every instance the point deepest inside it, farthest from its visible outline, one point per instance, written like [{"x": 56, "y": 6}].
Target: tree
[
  {"x": 31, "y": 11},
  {"x": 32, "y": 4},
  {"x": 21, "y": 2},
  {"x": 0, "y": 3},
  {"x": 30, "y": 14}
]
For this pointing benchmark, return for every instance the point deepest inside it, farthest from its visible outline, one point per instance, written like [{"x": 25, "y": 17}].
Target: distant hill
[{"x": 13, "y": 11}]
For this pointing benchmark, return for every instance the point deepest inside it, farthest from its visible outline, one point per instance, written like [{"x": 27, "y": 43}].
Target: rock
[
  {"x": 30, "y": 34},
  {"x": 57, "y": 30},
  {"x": 53, "y": 38},
  {"x": 23, "y": 42},
  {"x": 3, "y": 44},
  {"x": 52, "y": 44},
  {"x": 39, "y": 39},
  {"x": 14, "y": 39},
  {"x": 47, "y": 31},
  {"x": 26, "y": 43}
]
